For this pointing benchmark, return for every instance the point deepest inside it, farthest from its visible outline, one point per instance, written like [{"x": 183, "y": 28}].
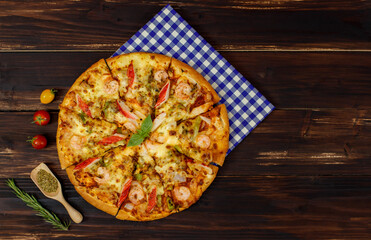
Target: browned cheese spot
[
  {"x": 172, "y": 133},
  {"x": 188, "y": 123}
]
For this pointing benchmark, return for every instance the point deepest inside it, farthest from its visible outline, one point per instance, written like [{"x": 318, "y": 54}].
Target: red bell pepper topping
[
  {"x": 131, "y": 74},
  {"x": 125, "y": 110},
  {"x": 111, "y": 139},
  {"x": 86, "y": 163},
  {"x": 125, "y": 191},
  {"x": 84, "y": 107},
  {"x": 164, "y": 94},
  {"x": 152, "y": 200}
]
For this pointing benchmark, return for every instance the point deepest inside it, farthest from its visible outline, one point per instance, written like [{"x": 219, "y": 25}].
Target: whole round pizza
[{"x": 140, "y": 136}]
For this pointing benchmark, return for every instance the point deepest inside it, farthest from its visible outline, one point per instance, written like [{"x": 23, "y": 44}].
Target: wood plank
[
  {"x": 237, "y": 25},
  {"x": 288, "y": 142},
  {"x": 305, "y": 143},
  {"x": 23, "y": 76},
  {"x": 287, "y": 79},
  {"x": 255, "y": 207}
]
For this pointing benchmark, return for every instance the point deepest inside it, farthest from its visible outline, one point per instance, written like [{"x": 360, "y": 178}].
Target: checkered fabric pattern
[{"x": 169, "y": 34}]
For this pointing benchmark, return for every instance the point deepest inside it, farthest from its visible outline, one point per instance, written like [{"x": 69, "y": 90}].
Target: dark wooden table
[{"x": 304, "y": 173}]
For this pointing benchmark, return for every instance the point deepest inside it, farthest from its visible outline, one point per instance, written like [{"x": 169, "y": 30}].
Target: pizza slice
[
  {"x": 141, "y": 76},
  {"x": 80, "y": 137},
  {"x": 144, "y": 198},
  {"x": 203, "y": 138},
  {"x": 183, "y": 179},
  {"x": 184, "y": 194},
  {"x": 186, "y": 95},
  {"x": 92, "y": 90},
  {"x": 144, "y": 201},
  {"x": 104, "y": 181}
]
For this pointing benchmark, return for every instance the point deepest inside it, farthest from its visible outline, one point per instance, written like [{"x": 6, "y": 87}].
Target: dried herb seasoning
[{"x": 46, "y": 181}]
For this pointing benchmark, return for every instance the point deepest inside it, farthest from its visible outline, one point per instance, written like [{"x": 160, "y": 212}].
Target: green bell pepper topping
[
  {"x": 196, "y": 127},
  {"x": 83, "y": 117},
  {"x": 177, "y": 147},
  {"x": 170, "y": 204},
  {"x": 138, "y": 177},
  {"x": 105, "y": 108}
]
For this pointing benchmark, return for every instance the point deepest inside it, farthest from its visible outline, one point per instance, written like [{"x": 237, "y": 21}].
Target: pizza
[{"x": 141, "y": 135}]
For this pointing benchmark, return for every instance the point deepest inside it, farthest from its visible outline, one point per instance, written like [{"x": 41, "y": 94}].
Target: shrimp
[
  {"x": 182, "y": 193},
  {"x": 157, "y": 137},
  {"x": 105, "y": 175},
  {"x": 183, "y": 91},
  {"x": 77, "y": 142},
  {"x": 203, "y": 141},
  {"x": 136, "y": 195},
  {"x": 151, "y": 146},
  {"x": 111, "y": 86},
  {"x": 131, "y": 126},
  {"x": 160, "y": 76}
]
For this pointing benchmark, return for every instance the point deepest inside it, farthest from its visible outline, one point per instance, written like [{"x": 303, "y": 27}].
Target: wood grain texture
[
  {"x": 101, "y": 25},
  {"x": 303, "y": 173},
  {"x": 288, "y": 142},
  {"x": 253, "y": 207},
  {"x": 287, "y": 79}
]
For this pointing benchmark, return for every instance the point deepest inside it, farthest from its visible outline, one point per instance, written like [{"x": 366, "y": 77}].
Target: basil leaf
[
  {"x": 142, "y": 133},
  {"x": 135, "y": 140},
  {"x": 146, "y": 126}
]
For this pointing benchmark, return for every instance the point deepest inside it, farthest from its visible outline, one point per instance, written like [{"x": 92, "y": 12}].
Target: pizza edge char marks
[{"x": 172, "y": 167}]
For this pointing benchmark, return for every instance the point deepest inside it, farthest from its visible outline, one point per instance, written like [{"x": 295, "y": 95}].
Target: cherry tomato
[
  {"x": 47, "y": 96},
  {"x": 38, "y": 141},
  {"x": 41, "y": 117}
]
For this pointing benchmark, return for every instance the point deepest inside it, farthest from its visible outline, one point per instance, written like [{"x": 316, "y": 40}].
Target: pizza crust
[
  {"x": 161, "y": 59},
  {"x": 219, "y": 157},
  {"x": 71, "y": 176},
  {"x": 106, "y": 207},
  {"x": 59, "y": 150},
  {"x": 193, "y": 74},
  {"x": 100, "y": 64},
  {"x": 124, "y": 215},
  {"x": 215, "y": 171}
]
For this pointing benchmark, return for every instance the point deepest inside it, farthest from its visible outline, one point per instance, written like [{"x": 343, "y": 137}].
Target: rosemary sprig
[{"x": 32, "y": 202}]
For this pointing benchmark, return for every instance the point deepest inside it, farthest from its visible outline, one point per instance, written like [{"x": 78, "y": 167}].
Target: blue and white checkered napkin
[{"x": 169, "y": 34}]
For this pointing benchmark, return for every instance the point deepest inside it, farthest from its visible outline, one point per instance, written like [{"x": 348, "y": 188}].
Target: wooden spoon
[{"x": 57, "y": 195}]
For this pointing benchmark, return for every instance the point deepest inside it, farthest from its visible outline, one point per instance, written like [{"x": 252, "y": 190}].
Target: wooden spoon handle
[{"x": 75, "y": 215}]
